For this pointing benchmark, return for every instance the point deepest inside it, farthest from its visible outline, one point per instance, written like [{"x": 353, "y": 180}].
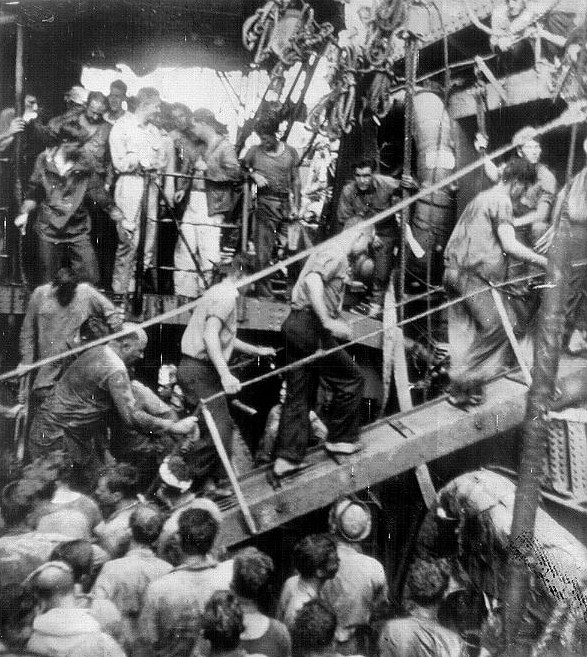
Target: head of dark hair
[
  {"x": 64, "y": 285},
  {"x": 364, "y": 163},
  {"x": 120, "y": 85},
  {"x": 313, "y": 553},
  {"x": 267, "y": 126},
  {"x": 72, "y": 132},
  {"x": 16, "y": 614},
  {"x": 78, "y": 555},
  {"x": 123, "y": 478},
  {"x": 146, "y": 523},
  {"x": 178, "y": 468},
  {"x": 462, "y": 611},
  {"x": 97, "y": 96},
  {"x": 519, "y": 170},
  {"x": 146, "y": 95},
  {"x": 17, "y": 500},
  {"x": 251, "y": 573},
  {"x": 222, "y": 621},
  {"x": 197, "y": 531},
  {"x": 426, "y": 582},
  {"x": 93, "y": 328},
  {"x": 242, "y": 265},
  {"x": 49, "y": 468},
  {"x": 314, "y": 628}
]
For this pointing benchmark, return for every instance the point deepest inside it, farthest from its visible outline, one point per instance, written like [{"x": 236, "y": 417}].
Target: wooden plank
[{"x": 438, "y": 429}]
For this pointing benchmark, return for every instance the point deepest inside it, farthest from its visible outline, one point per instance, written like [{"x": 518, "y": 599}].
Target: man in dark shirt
[
  {"x": 365, "y": 196},
  {"x": 75, "y": 416},
  {"x": 61, "y": 184},
  {"x": 116, "y": 99},
  {"x": 274, "y": 168}
]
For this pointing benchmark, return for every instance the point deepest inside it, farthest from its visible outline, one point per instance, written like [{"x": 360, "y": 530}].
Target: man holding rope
[
  {"x": 314, "y": 323},
  {"x": 479, "y": 253},
  {"x": 206, "y": 346}
]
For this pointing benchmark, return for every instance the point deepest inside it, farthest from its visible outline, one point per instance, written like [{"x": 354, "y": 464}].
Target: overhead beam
[
  {"x": 521, "y": 88},
  {"x": 450, "y": 17}
]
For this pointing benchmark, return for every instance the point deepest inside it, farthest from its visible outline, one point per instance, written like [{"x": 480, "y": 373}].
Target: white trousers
[
  {"x": 128, "y": 196},
  {"x": 202, "y": 233}
]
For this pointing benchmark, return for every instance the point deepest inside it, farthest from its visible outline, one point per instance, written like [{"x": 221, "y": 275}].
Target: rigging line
[
  {"x": 20, "y": 372},
  {"x": 321, "y": 354},
  {"x": 380, "y": 216}
]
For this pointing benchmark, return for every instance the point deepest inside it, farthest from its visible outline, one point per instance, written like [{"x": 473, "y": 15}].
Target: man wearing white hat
[
  {"x": 360, "y": 586},
  {"x": 175, "y": 492}
]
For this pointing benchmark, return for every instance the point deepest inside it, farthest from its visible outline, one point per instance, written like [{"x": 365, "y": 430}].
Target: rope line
[
  {"x": 322, "y": 353},
  {"x": 248, "y": 280}
]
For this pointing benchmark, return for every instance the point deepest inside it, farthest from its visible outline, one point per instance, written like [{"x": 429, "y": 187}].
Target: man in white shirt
[
  {"x": 138, "y": 147},
  {"x": 207, "y": 345}
]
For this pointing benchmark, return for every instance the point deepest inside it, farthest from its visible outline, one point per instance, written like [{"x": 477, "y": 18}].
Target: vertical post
[
  {"x": 547, "y": 348},
  {"x": 19, "y": 107},
  {"x": 411, "y": 62},
  {"x": 572, "y": 151},
  {"x": 245, "y": 217},
  {"x": 137, "y": 306}
]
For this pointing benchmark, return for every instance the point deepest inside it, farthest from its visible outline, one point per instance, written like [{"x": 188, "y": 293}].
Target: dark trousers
[
  {"x": 85, "y": 446},
  {"x": 575, "y": 308},
  {"x": 198, "y": 380},
  {"x": 271, "y": 224},
  {"x": 383, "y": 261},
  {"x": 79, "y": 255},
  {"x": 304, "y": 334}
]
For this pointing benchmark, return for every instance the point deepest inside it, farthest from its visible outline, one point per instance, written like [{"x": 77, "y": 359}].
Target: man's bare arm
[
  {"x": 230, "y": 383},
  {"x": 538, "y": 216},
  {"x": 128, "y": 409},
  {"x": 511, "y": 246}
]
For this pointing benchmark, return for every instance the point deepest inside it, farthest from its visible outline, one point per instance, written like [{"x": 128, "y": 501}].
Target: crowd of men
[
  {"x": 93, "y": 408},
  {"x": 119, "y": 159},
  {"x": 95, "y": 430},
  {"x": 114, "y": 574}
]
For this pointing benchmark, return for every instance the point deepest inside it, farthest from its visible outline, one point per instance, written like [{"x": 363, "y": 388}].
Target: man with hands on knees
[
  {"x": 314, "y": 323},
  {"x": 207, "y": 345}
]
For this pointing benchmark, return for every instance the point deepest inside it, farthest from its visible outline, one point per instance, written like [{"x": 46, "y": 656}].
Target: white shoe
[{"x": 343, "y": 448}]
